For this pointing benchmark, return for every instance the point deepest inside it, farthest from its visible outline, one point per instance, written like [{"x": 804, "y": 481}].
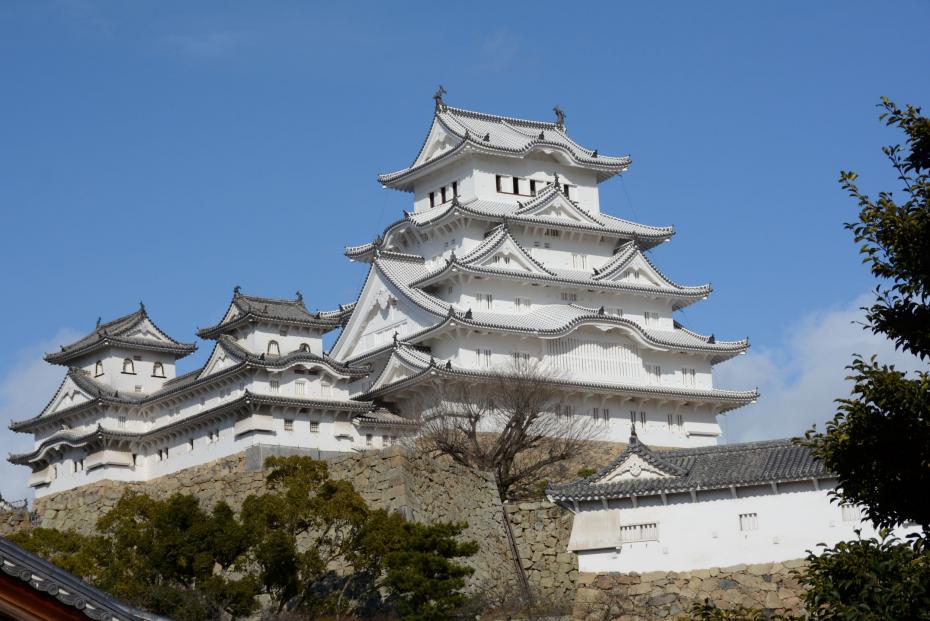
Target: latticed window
[
  {"x": 314, "y": 426},
  {"x": 568, "y": 296},
  {"x": 274, "y": 385},
  {"x": 300, "y": 388},
  {"x": 98, "y": 369},
  {"x": 523, "y": 305},
  {"x": 288, "y": 424},
  {"x": 688, "y": 377},
  {"x": 748, "y": 521},
  {"x": 128, "y": 366},
  {"x": 851, "y": 513},
  {"x": 652, "y": 319},
  {"x": 273, "y": 348},
  {"x": 485, "y": 300},
  {"x": 632, "y": 533},
  {"x": 158, "y": 370}
]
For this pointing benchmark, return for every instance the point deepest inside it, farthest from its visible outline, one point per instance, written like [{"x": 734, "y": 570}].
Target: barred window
[
  {"x": 314, "y": 426},
  {"x": 288, "y": 424},
  {"x": 748, "y": 521},
  {"x": 639, "y": 532}
]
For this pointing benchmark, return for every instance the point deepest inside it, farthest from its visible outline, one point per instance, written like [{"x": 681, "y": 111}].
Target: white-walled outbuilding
[{"x": 685, "y": 509}]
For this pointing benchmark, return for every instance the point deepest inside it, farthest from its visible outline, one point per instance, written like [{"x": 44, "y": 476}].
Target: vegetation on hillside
[{"x": 310, "y": 547}]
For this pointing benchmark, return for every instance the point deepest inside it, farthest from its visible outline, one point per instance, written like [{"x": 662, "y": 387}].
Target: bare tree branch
[{"x": 511, "y": 423}]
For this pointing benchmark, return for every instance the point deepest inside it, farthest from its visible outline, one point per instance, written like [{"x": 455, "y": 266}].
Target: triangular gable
[
  {"x": 396, "y": 370},
  {"x": 632, "y": 267},
  {"x": 438, "y": 141},
  {"x": 558, "y": 207},
  {"x": 633, "y": 467},
  {"x": 68, "y": 395},
  {"x": 507, "y": 254},
  {"x": 377, "y": 298},
  {"x": 220, "y": 360},
  {"x": 635, "y": 463},
  {"x": 148, "y": 331}
]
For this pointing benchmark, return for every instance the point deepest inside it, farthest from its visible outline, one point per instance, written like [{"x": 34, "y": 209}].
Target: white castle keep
[{"x": 505, "y": 254}]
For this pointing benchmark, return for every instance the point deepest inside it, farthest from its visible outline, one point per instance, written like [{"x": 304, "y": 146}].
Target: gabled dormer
[
  {"x": 129, "y": 353},
  {"x": 274, "y": 326},
  {"x": 475, "y": 155}
]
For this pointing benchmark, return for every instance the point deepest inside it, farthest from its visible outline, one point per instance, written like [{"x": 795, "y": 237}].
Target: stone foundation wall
[
  {"x": 423, "y": 489},
  {"x": 667, "y": 595},
  {"x": 541, "y": 530},
  {"x": 14, "y": 521}
]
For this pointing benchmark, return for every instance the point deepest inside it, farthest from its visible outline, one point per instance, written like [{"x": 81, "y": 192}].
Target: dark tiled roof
[
  {"x": 279, "y": 310},
  {"x": 693, "y": 469},
  {"x": 71, "y": 591},
  {"x": 113, "y": 333}
]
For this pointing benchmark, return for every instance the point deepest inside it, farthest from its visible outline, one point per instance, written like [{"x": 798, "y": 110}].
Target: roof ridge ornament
[
  {"x": 559, "y": 117},
  {"x": 300, "y": 297},
  {"x": 141, "y": 306},
  {"x": 237, "y": 290},
  {"x": 634, "y": 439},
  {"x": 99, "y": 320},
  {"x": 487, "y": 137},
  {"x": 437, "y": 97}
]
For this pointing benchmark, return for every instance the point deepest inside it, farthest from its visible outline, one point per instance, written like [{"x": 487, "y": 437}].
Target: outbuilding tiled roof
[
  {"x": 115, "y": 333},
  {"x": 704, "y": 468},
  {"x": 477, "y": 132},
  {"x": 278, "y": 310},
  {"x": 51, "y": 581}
]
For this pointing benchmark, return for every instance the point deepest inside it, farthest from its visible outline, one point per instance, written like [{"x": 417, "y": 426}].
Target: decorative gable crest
[{"x": 637, "y": 462}]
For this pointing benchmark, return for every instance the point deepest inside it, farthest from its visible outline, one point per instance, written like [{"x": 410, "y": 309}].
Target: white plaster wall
[{"x": 695, "y": 535}]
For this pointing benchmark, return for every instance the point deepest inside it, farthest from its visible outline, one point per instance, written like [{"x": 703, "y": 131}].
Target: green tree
[
  {"x": 868, "y": 580},
  {"x": 878, "y": 444},
  {"x": 168, "y": 556},
  {"x": 321, "y": 550}
]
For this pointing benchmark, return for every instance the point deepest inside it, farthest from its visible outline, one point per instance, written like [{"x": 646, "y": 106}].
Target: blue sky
[{"x": 167, "y": 151}]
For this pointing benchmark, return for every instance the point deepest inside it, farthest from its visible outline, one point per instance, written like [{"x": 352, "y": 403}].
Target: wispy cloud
[
  {"x": 24, "y": 391},
  {"x": 499, "y": 51},
  {"x": 800, "y": 379},
  {"x": 206, "y": 45}
]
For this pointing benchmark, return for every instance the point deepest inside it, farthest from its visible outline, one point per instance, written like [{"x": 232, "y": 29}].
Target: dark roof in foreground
[
  {"x": 693, "y": 469},
  {"x": 71, "y": 591},
  {"x": 115, "y": 333}
]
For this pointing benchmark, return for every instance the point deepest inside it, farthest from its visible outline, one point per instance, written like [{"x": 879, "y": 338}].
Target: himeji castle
[{"x": 506, "y": 253}]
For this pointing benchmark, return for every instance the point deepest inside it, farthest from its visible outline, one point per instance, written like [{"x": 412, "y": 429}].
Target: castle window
[
  {"x": 442, "y": 192},
  {"x": 484, "y": 357},
  {"x": 533, "y": 187},
  {"x": 368, "y": 439},
  {"x": 639, "y": 532},
  {"x": 523, "y": 304},
  {"x": 516, "y": 185},
  {"x": 387, "y": 440},
  {"x": 654, "y": 373},
  {"x": 128, "y": 367},
  {"x": 681, "y": 421},
  {"x": 580, "y": 261},
  {"x": 305, "y": 347},
  {"x": 569, "y": 297},
  {"x": 652, "y": 319},
  {"x": 273, "y": 348},
  {"x": 688, "y": 377},
  {"x": 288, "y": 424},
  {"x": 158, "y": 370},
  {"x": 485, "y": 300},
  {"x": 54, "y": 472},
  {"x": 432, "y": 199},
  {"x": 121, "y": 422},
  {"x": 314, "y": 426},
  {"x": 552, "y": 232},
  {"x": 642, "y": 419},
  {"x": 748, "y": 521},
  {"x": 498, "y": 183},
  {"x": 851, "y": 513},
  {"x": 190, "y": 444},
  {"x": 98, "y": 368},
  {"x": 138, "y": 388},
  {"x": 300, "y": 388},
  {"x": 455, "y": 188},
  {"x": 137, "y": 358},
  {"x": 274, "y": 385}
]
